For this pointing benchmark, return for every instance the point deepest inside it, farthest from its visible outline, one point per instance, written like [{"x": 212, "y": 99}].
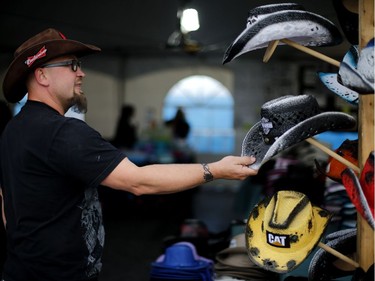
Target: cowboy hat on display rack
[
  {"x": 286, "y": 121},
  {"x": 282, "y": 21},
  {"x": 282, "y": 231}
]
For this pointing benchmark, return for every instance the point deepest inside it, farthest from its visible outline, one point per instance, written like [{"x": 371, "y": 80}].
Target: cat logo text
[{"x": 277, "y": 240}]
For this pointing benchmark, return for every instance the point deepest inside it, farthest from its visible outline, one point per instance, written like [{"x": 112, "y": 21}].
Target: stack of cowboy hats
[
  {"x": 181, "y": 262},
  {"x": 233, "y": 263}
]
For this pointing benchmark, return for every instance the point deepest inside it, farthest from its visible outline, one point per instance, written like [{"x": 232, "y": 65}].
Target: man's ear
[{"x": 40, "y": 76}]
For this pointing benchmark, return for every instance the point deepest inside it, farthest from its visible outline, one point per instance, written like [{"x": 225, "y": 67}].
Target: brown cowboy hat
[{"x": 33, "y": 53}]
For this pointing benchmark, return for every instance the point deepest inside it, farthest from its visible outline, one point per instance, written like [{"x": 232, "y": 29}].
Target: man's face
[{"x": 66, "y": 83}]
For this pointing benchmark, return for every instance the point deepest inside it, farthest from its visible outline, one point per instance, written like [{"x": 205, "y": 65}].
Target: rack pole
[{"x": 365, "y": 235}]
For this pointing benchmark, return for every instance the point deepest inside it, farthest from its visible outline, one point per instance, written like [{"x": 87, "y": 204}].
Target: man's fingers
[{"x": 247, "y": 160}]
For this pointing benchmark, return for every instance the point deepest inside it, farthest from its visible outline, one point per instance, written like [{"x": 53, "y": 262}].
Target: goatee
[{"x": 79, "y": 103}]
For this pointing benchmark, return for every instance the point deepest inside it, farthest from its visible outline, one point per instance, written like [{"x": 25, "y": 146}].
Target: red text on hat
[
  {"x": 62, "y": 35},
  {"x": 42, "y": 53}
]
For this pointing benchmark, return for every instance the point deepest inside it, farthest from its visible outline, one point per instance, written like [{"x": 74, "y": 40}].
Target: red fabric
[{"x": 367, "y": 181}]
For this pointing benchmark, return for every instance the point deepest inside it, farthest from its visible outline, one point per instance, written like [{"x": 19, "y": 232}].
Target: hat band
[
  {"x": 267, "y": 126},
  {"x": 277, "y": 123}
]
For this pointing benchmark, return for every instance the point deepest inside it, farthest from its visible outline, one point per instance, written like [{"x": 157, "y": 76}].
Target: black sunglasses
[{"x": 74, "y": 64}]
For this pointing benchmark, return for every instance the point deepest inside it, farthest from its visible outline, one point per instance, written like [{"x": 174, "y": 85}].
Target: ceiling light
[{"x": 189, "y": 20}]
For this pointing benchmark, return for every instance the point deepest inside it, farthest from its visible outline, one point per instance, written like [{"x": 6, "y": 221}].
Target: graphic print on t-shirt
[{"x": 93, "y": 230}]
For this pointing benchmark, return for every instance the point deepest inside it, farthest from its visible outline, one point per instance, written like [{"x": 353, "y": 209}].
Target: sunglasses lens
[{"x": 75, "y": 65}]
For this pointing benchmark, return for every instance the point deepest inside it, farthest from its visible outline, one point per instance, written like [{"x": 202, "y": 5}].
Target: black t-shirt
[{"x": 51, "y": 168}]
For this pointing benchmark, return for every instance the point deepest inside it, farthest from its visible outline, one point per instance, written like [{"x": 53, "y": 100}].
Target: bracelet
[{"x": 207, "y": 175}]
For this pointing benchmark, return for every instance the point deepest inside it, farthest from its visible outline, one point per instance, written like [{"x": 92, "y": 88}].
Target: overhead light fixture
[{"x": 189, "y": 20}]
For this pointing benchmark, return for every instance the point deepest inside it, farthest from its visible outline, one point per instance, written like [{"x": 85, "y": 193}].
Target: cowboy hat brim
[
  {"x": 322, "y": 266},
  {"x": 181, "y": 255},
  {"x": 305, "y": 28},
  {"x": 367, "y": 180},
  {"x": 354, "y": 80},
  {"x": 234, "y": 257},
  {"x": 248, "y": 273},
  {"x": 357, "y": 69},
  {"x": 14, "y": 87},
  {"x": 278, "y": 259},
  {"x": 253, "y": 144},
  {"x": 357, "y": 196},
  {"x": 331, "y": 82}
]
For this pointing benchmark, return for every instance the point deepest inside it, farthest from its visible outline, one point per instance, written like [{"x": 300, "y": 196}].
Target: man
[{"x": 52, "y": 166}]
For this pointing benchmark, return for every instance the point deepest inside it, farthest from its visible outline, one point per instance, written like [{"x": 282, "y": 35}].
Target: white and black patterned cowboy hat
[
  {"x": 283, "y": 21},
  {"x": 358, "y": 73},
  {"x": 286, "y": 121},
  {"x": 332, "y": 82}
]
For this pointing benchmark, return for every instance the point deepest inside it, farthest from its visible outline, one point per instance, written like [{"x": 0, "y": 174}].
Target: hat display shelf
[
  {"x": 275, "y": 23},
  {"x": 365, "y": 234},
  {"x": 273, "y": 44},
  {"x": 365, "y": 237}
]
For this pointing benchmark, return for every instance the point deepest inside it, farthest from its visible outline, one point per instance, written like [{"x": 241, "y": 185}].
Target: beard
[{"x": 79, "y": 103}]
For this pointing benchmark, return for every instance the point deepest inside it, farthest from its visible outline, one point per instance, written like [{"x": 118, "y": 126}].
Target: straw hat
[
  {"x": 33, "y": 53},
  {"x": 234, "y": 262},
  {"x": 282, "y": 231},
  {"x": 286, "y": 121}
]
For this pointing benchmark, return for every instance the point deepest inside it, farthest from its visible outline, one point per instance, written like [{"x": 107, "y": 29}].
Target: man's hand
[{"x": 233, "y": 167}]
